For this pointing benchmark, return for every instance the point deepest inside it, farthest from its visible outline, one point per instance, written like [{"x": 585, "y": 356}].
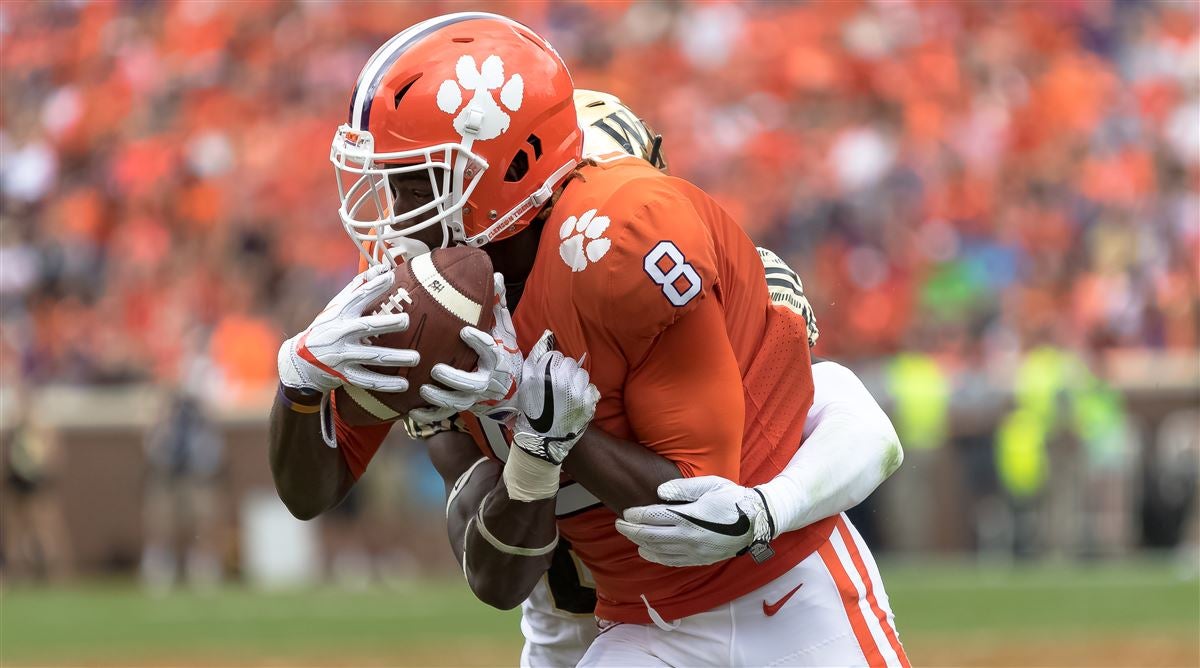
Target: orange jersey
[{"x": 665, "y": 294}]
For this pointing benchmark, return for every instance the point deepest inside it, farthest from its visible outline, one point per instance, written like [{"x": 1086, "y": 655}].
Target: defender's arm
[
  {"x": 849, "y": 449},
  {"x": 620, "y": 473}
]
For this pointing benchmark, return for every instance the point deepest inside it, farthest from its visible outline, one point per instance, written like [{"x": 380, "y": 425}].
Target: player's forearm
[
  {"x": 468, "y": 477},
  {"x": 850, "y": 448},
  {"x": 622, "y": 474},
  {"x": 478, "y": 498},
  {"x": 508, "y": 546},
  {"x": 310, "y": 477}
]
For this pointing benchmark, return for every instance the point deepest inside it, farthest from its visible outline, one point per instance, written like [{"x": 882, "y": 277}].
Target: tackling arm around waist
[{"x": 850, "y": 447}]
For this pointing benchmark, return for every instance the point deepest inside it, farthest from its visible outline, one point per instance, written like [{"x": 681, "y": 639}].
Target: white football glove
[
  {"x": 719, "y": 521},
  {"x": 490, "y": 388},
  {"x": 332, "y": 350},
  {"x": 555, "y": 402}
]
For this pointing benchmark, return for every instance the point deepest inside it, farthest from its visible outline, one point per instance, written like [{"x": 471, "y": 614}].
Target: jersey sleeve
[
  {"x": 358, "y": 445},
  {"x": 664, "y": 265},
  {"x": 685, "y": 401}
]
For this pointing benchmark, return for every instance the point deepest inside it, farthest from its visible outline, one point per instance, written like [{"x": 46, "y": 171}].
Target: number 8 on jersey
[{"x": 666, "y": 265}]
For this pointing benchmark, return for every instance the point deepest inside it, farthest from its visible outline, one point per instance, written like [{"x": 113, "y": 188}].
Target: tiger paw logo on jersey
[
  {"x": 482, "y": 118},
  {"x": 581, "y": 240}
]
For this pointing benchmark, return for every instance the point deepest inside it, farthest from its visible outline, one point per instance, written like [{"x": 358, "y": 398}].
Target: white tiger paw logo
[
  {"x": 481, "y": 118},
  {"x": 581, "y": 240}
]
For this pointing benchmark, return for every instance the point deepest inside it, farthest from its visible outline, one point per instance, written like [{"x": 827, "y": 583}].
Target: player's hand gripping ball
[
  {"x": 331, "y": 351},
  {"x": 487, "y": 390},
  {"x": 442, "y": 292}
]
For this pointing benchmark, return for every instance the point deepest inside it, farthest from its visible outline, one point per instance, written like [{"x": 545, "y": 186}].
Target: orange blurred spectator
[{"x": 990, "y": 168}]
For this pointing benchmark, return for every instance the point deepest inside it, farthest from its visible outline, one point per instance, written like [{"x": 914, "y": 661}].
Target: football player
[
  {"x": 850, "y": 445},
  {"x": 699, "y": 372}
]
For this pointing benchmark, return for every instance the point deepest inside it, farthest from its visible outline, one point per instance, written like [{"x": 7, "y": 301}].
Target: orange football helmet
[{"x": 478, "y": 102}]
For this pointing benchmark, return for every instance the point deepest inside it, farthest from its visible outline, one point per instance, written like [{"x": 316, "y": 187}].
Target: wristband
[
  {"x": 760, "y": 548},
  {"x": 529, "y": 478},
  {"x": 786, "y": 503},
  {"x": 299, "y": 400},
  {"x": 504, "y": 547},
  {"x": 771, "y": 535}
]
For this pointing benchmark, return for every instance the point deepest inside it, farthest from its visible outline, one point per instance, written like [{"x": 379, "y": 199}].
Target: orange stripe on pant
[
  {"x": 850, "y": 601},
  {"x": 861, "y": 567}
]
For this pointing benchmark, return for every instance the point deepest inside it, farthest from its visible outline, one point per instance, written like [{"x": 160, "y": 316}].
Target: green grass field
[{"x": 1126, "y": 615}]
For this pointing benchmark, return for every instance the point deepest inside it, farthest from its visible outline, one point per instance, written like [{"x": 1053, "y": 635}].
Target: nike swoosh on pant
[{"x": 769, "y": 609}]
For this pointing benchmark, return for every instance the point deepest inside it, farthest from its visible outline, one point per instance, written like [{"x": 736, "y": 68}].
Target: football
[{"x": 442, "y": 292}]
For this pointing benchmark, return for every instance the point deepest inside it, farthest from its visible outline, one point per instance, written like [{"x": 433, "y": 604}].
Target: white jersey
[{"x": 832, "y": 605}]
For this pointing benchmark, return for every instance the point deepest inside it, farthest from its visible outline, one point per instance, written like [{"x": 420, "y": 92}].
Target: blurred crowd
[
  {"x": 964, "y": 178},
  {"x": 971, "y": 191}
]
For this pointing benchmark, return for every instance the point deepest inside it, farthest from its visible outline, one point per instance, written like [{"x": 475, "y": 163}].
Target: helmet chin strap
[
  {"x": 535, "y": 199},
  {"x": 472, "y": 124}
]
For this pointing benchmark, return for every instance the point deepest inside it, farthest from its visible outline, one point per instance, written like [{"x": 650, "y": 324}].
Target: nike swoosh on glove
[
  {"x": 333, "y": 349},
  {"x": 709, "y": 519},
  {"x": 489, "y": 389},
  {"x": 555, "y": 400}
]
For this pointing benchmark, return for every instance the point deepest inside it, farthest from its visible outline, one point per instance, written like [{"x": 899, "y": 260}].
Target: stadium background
[{"x": 995, "y": 208}]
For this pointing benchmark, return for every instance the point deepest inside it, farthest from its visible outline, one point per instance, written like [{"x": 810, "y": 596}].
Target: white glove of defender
[
  {"x": 332, "y": 350},
  {"x": 720, "y": 520},
  {"x": 487, "y": 390},
  {"x": 555, "y": 402}
]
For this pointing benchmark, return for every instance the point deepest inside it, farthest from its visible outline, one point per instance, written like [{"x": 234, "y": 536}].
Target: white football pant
[{"x": 830, "y": 610}]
